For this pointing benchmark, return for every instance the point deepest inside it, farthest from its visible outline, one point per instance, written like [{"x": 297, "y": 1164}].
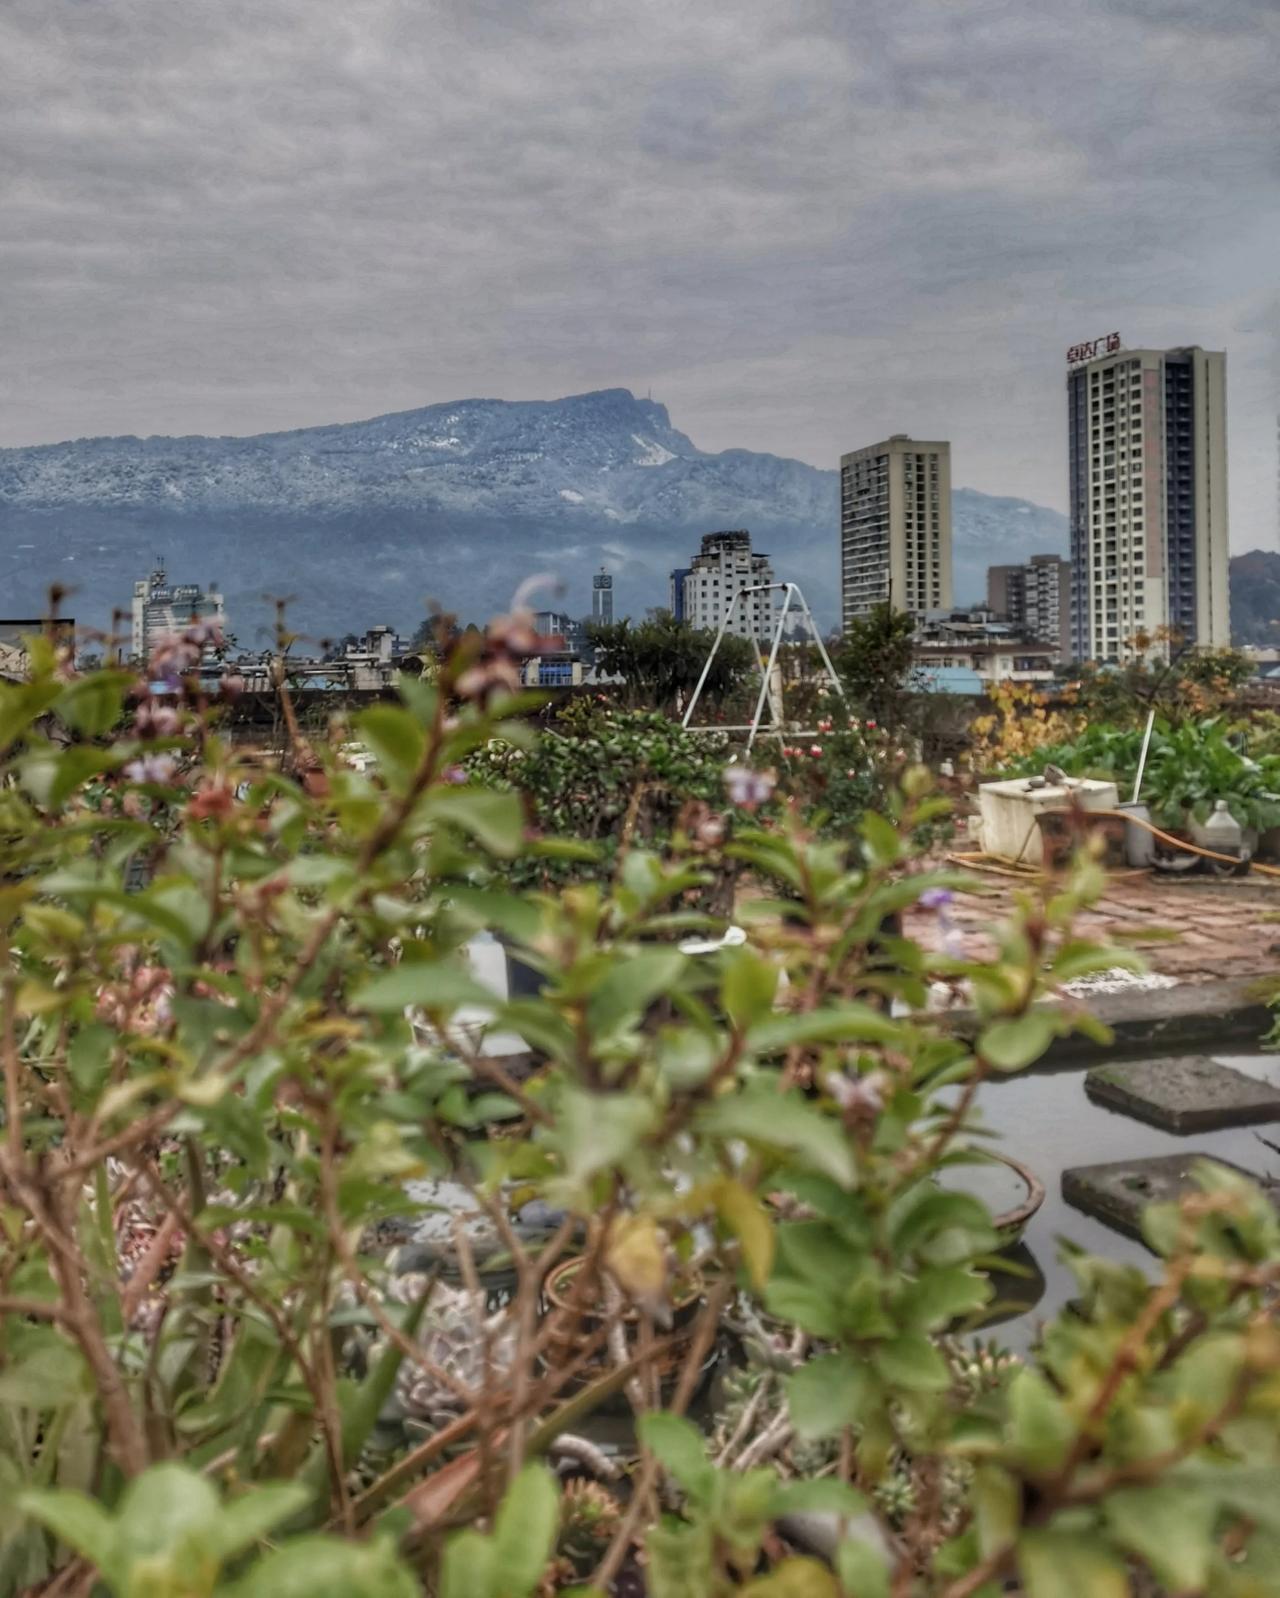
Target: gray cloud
[{"x": 803, "y": 222}]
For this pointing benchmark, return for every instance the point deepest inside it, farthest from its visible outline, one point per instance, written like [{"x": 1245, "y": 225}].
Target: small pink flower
[
  {"x": 871, "y": 724},
  {"x": 151, "y": 720},
  {"x": 204, "y": 634},
  {"x": 152, "y": 768},
  {"x": 851, "y": 773},
  {"x": 816, "y": 751}
]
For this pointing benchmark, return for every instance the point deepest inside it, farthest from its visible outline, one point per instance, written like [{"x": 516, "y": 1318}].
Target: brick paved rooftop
[{"x": 1192, "y": 929}]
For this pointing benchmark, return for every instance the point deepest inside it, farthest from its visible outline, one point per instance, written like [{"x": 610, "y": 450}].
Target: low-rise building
[
  {"x": 15, "y": 633},
  {"x": 555, "y": 663},
  {"x": 975, "y": 641}
]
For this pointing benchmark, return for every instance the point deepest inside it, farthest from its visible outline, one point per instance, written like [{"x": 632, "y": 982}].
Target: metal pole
[
  {"x": 688, "y": 715},
  {"x": 822, "y": 649},
  {"x": 1142, "y": 758},
  {"x": 768, "y": 670}
]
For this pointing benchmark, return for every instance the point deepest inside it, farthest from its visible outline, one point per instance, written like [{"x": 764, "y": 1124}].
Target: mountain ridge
[{"x": 363, "y": 521}]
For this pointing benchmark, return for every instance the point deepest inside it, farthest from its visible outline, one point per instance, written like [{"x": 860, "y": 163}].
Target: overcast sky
[{"x": 802, "y": 223}]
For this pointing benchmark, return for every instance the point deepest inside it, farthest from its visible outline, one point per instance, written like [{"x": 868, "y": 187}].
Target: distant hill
[
  {"x": 363, "y": 522},
  {"x": 1255, "y": 597}
]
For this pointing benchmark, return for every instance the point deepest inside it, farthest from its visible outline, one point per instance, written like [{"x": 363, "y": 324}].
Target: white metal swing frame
[{"x": 791, "y": 591}]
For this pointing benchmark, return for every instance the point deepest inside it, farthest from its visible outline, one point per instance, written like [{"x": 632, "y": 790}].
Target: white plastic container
[{"x": 1009, "y": 811}]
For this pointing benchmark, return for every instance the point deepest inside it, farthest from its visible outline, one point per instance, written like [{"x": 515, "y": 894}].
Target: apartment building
[
  {"x": 895, "y": 527},
  {"x": 1147, "y": 456}
]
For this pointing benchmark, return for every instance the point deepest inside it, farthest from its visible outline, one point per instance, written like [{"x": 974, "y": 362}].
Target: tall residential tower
[
  {"x": 1147, "y": 452},
  {"x": 895, "y": 527}
]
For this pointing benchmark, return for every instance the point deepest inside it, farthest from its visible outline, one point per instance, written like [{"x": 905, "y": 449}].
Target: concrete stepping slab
[
  {"x": 1118, "y": 1192},
  {"x": 1183, "y": 1093}
]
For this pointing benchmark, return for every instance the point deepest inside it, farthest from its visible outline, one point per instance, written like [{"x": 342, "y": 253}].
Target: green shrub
[{"x": 215, "y": 1377}]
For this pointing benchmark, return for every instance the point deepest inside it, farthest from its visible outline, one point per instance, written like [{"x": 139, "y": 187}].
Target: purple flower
[
  {"x": 748, "y": 788},
  {"x": 455, "y": 774},
  {"x": 936, "y": 898}
]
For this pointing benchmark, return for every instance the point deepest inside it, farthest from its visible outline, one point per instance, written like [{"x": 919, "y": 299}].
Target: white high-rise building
[
  {"x": 895, "y": 527},
  {"x": 724, "y": 567},
  {"x": 1147, "y": 454}
]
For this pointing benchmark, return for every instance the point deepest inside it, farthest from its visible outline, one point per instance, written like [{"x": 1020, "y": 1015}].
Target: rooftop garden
[{"x": 309, "y": 1286}]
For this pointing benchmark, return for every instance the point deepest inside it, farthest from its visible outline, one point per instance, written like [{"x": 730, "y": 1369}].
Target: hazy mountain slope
[
  {"x": 1255, "y": 597},
  {"x": 365, "y": 521}
]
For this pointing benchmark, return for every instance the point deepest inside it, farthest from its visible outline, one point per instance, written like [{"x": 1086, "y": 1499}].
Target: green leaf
[
  {"x": 78, "y": 1522},
  {"x": 862, "y": 1570},
  {"x": 524, "y": 1532},
  {"x": 21, "y": 704},
  {"x": 881, "y": 842},
  {"x": 912, "y": 1363},
  {"x": 1069, "y": 1564},
  {"x": 74, "y": 767},
  {"x": 630, "y": 986},
  {"x": 362, "y": 1405},
  {"x": 1011, "y": 1045},
  {"x": 827, "y": 1394},
  {"x": 819, "y": 1496},
  {"x": 165, "y": 1505},
  {"x": 328, "y": 1567},
  {"x": 516, "y": 917},
  {"x": 794, "y": 1578},
  {"x": 434, "y": 985},
  {"x": 94, "y": 703},
  {"x": 394, "y": 737},
  {"x": 678, "y": 1446},
  {"x": 46, "y": 1376},
  {"x": 681, "y": 1558},
  {"x": 997, "y": 1507},
  {"x": 941, "y": 1296},
  {"x": 748, "y": 986},
  {"x": 1170, "y": 1526},
  {"x": 743, "y": 1214},
  {"x": 598, "y": 1130},
  {"x": 1079, "y": 958},
  {"x": 494, "y": 819},
  {"x": 809, "y": 1307},
  {"x": 247, "y": 1520},
  {"x": 1041, "y": 1429},
  {"x": 781, "y": 1120},
  {"x": 940, "y": 1226},
  {"x": 846, "y": 1023},
  {"x": 469, "y": 1566}
]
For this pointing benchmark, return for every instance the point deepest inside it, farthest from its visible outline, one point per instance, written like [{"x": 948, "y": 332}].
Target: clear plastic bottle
[{"x": 1222, "y": 832}]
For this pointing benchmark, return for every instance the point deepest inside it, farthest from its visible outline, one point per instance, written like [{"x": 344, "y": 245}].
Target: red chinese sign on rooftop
[{"x": 1108, "y": 344}]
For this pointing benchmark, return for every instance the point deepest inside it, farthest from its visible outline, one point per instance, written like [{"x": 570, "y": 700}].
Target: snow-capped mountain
[{"x": 367, "y": 521}]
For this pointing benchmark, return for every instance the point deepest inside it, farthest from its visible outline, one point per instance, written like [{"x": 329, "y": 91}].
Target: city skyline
[{"x": 796, "y": 226}]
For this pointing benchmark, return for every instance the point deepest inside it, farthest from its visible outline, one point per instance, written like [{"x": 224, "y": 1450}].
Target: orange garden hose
[
  {"x": 1180, "y": 843},
  {"x": 985, "y": 862}
]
